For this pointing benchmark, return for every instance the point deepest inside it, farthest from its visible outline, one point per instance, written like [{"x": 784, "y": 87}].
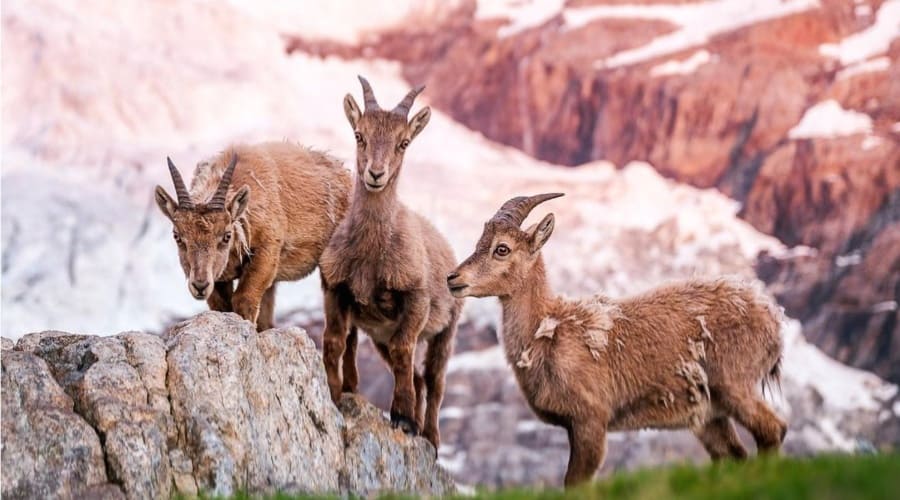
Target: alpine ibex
[
  {"x": 685, "y": 355},
  {"x": 277, "y": 234},
  {"x": 384, "y": 271}
]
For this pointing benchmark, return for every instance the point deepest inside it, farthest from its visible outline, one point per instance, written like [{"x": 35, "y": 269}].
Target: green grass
[
  {"x": 822, "y": 478},
  {"x": 829, "y": 477}
]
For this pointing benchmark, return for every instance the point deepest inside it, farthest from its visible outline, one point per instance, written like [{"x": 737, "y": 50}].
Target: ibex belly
[
  {"x": 679, "y": 402},
  {"x": 381, "y": 317}
]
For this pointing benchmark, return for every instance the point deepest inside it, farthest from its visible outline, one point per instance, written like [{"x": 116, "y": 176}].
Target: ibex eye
[
  {"x": 403, "y": 144},
  {"x": 501, "y": 250},
  {"x": 177, "y": 237},
  {"x": 359, "y": 138},
  {"x": 226, "y": 237}
]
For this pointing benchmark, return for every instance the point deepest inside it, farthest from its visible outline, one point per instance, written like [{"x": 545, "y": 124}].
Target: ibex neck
[
  {"x": 373, "y": 213},
  {"x": 525, "y": 308}
]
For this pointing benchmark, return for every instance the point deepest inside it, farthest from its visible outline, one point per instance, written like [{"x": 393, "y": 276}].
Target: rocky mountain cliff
[
  {"x": 211, "y": 406},
  {"x": 790, "y": 107}
]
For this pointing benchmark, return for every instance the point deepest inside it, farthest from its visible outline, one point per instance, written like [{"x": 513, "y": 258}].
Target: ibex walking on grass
[
  {"x": 687, "y": 355},
  {"x": 384, "y": 271},
  {"x": 276, "y": 234}
]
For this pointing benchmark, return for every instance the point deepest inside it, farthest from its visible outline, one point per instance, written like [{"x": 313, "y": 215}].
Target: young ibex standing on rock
[
  {"x": 686, "y": 355},
  {"x": 277, "y": 234},
  {"x": 384, "y": 272}
]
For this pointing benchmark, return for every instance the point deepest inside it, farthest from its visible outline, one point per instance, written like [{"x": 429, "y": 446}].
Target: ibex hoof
[{"x": 405, "y": 424}]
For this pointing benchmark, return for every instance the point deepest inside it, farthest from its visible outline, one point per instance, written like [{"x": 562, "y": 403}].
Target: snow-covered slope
[{"x": 84, "y": 247}]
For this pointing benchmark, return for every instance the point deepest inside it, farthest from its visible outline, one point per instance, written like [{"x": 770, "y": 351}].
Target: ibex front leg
[
  {"x": 256, "y": 279},
  {"x": 334, "y": 341},
  {"x": 402, "y": 349},
  {"x": 220, "y": 298}
]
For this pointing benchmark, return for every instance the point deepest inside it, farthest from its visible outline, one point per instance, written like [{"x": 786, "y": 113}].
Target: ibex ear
[
  {"x": 351, "y": 109},
  {"x": 418, "y": 122},
  {"x": 166, "y": 204},
  {"x": 540, "y": 233},
  {"x": 239, "y": 202}
]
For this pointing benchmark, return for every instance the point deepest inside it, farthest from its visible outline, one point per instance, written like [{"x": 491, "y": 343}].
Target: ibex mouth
[
  {"x": 374, "y": 188},
  {"x": 457, "y": 290}
]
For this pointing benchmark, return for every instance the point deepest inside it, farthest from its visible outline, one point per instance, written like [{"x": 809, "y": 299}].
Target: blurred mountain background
[{"x": 692, "y": 137}]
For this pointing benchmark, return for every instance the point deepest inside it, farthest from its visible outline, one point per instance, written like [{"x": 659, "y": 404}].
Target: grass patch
[{"x": 827, "y": 477}]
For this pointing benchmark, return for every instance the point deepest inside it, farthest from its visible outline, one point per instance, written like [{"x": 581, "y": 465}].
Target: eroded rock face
[
  {"x": 49, "y": 451},
  {"x": 377, "y": 455},
  {"x": 211, "y": 406}
]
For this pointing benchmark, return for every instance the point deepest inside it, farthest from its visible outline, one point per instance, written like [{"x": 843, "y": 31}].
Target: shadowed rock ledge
[{"x": 210, "y": 406}]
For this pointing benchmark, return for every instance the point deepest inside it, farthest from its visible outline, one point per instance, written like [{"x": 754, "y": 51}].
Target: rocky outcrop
[{"x": 211, "y": 407}]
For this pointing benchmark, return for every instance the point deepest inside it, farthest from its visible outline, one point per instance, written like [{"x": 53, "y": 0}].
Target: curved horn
[
  {"x": 184, "y": 198},
  {"x": 217, "y": 202},
  {"x": 368, "y": 95},
  {"x": 517, "y": 209},
  {"x": 402, "y": 109}
]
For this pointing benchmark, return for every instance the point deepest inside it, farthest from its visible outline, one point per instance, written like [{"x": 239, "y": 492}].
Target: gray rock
[
  {"x": 381, "y": 459},
  {"x": 118, "y": 385},
  {"x": 49, "y": 451},
  {"x": 6, "y": 343},
  {"x": 252, "y": 410},
  {"x": 212, "y": 406}
]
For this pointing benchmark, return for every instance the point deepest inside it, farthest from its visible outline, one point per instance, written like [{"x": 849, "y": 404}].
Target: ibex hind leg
[
  {"x": 418, "y": 382},
  {"x": 721, "y": 440},
  {"x": 440, "y": 348},
  {"x": 748, "y": 408}
]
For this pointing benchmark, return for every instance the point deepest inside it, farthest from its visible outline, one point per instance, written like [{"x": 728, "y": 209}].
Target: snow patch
[
  {"x": 684, "y": 67},
  {"x": 871, "y": 41},
  {"x": 698, "y": 21},
  {"x": 882, "y": 63},
  {"x": 828, "y": 119},
  {"x": 521, "y": 14},
  {"x": 886, "y": 306},
  {"x": 842, "y": 388}
]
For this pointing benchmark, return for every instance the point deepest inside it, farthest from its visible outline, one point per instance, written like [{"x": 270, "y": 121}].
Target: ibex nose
[
  {"x": 200, "y": 286},
  {"x": 376, "y": 176},
  {"x": 452, "y": 276}
]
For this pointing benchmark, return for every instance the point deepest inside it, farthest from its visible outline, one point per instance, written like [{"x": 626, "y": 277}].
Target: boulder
[
  {"x": 49, "y": 451},
  {"x": 212, "y": 406}
]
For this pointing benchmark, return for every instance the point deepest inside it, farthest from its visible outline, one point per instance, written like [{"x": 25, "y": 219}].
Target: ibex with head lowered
[
  {"x": 686, "y": 355},
  {"x": 384, "y": 272},
  {"x": 277, "y": 234}
]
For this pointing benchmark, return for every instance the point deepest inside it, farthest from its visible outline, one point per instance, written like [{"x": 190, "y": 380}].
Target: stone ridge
[{"x": 211, "y": 406}]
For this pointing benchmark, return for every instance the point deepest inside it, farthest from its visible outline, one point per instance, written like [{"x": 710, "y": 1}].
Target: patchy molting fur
[
  {"x": 297, "y": 197},
  {"x": 689, "y": 354}
]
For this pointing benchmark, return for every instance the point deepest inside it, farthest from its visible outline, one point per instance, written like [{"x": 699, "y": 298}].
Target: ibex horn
[
  {"x": 217, "y": 202},
  {"x": 402, "y": 109},
  {"x": 184, "y": 198},
  {"x": 368, "y": 95},
  {"x": 517, "y": 209}
]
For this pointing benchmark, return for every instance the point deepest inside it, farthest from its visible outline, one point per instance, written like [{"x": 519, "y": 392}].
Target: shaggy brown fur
[
  {"x": 384, "y": 271},
  {"x": 277, "y": 233},
  {"x": 685, "y": 355}
]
